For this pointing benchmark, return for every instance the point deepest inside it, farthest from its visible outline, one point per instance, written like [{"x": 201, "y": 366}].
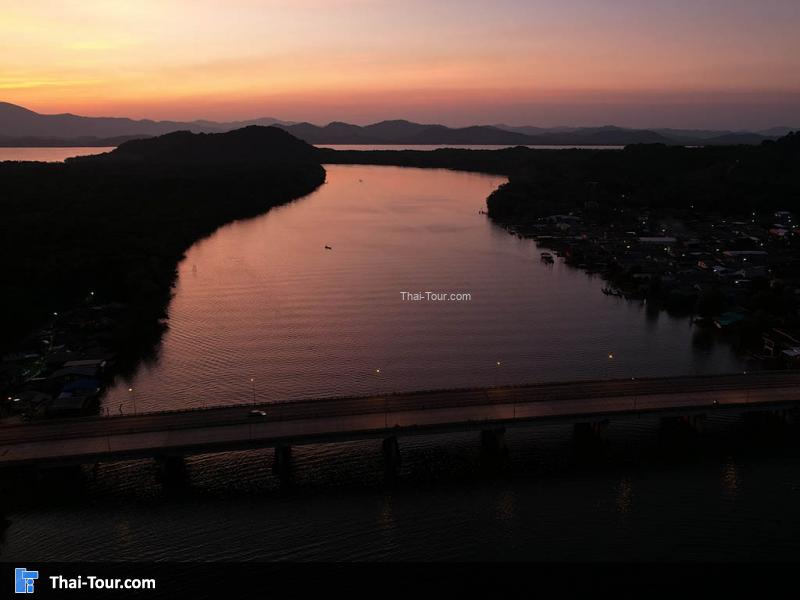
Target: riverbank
[{"x": 704, "y": 232}]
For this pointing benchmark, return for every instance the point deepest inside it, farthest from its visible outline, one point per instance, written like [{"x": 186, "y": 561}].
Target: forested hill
[
  {"x": 117, "y": 224},
  {"x": 726, "y": 179},
  {"x": 249, "y": 145}
]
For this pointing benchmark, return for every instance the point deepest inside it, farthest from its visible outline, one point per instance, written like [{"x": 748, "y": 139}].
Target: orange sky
[{"x": 644, "y": 63}]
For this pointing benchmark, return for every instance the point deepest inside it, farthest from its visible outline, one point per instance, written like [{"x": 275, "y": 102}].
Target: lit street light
[{"x": 133, "y": 395}]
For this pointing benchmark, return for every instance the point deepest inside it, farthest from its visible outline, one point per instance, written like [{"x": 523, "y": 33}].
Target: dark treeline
[
  {"x": 724, "y": 179},
  {"x": 117, "y": 224},
  {"x": 541, "y": 182},
  {"x": 501, "y": 162}
]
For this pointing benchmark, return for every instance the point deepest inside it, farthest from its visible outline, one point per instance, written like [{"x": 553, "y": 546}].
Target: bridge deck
[{"x": 334, "y": 419}]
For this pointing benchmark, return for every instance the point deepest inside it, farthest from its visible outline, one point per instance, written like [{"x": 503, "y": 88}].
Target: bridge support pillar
[
  {"x": 592, "y": 433},
  {"x": 681, "y": 432},
  {"x": 282, "y": 462},
  {"x": 392, "y": 458},
  {"x": 778, "y": 416},
  {"x": 171, "y": 470},
  {"x": 493, "y": 445},
  {"x": 768, "y": 426},
  {"x": 690, "y": 423}
]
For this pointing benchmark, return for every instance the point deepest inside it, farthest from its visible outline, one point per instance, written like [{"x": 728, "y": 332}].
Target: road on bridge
[{"x": 332, "y": 419}]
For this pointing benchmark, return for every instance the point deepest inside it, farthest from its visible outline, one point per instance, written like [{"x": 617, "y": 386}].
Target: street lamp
[
  {"x": 608, "y": 364},
  {"x": 496, "y": 372},
  {"x": 253, "y": 383},
  {"x": 133, "y": 395},
  {"x": 377, "y": 382}
]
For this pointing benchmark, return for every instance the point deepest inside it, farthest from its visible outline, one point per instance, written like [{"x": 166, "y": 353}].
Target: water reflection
[
  {"x": 506, "y": 505},
  {"x": 264, "y": 298},
  {"x": 623, "y": 496},
  {"x": 49, "y": 154},
  {"x": 730, "y": 480}
]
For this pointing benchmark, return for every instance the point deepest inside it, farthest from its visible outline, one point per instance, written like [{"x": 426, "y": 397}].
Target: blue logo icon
[{"x": 23, "y": 580}]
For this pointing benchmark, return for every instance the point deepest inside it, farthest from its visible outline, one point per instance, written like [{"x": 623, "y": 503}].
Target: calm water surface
[
  {"x": 264, "y": 298},
  {"x": 49, "y": 154}
]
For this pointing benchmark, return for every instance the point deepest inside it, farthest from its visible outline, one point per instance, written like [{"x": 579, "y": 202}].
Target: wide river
[{"x": 264, "y": 299}]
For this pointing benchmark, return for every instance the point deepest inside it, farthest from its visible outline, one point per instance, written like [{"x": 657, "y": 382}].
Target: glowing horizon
[{"x": 715, "y": 63}]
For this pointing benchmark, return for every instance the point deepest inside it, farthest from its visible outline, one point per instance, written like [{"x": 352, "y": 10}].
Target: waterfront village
[
  {"x": 61, "y": 368},
  {"x": 737, "y": 277}
]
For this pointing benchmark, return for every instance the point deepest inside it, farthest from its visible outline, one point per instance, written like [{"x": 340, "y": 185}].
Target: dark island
[{"x": 90, "y": 247}]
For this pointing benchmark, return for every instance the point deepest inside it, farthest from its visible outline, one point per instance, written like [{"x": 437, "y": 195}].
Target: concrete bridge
[{"x": 171, "y": 435}]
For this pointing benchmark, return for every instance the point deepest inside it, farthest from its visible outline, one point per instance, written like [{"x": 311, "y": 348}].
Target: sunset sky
[{"x": 646, "y": 63}]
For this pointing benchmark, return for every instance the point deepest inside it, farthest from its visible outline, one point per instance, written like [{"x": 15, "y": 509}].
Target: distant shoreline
[{"x": 365, "y": 146}]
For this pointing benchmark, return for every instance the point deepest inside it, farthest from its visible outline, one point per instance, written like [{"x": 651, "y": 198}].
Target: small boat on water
[
  {"x": 547, "y": 257},
  {"x": 328, "y": 247}
]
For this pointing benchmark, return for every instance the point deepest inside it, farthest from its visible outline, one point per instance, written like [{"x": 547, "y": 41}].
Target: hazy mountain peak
[
  {"x": 6, "y": 108},
  {"x": 393, "y": 122},
  {"x": 26, "y": 126}
]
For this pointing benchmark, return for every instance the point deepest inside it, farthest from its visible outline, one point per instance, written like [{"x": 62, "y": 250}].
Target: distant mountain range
[{"x": 22, "y": 127}]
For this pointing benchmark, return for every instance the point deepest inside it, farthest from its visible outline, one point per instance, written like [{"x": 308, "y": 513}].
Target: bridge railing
[
  {"x": 530, "y": 392},
  {"x": 626, "y": 395},
  {"x": 542, "y": 391}
]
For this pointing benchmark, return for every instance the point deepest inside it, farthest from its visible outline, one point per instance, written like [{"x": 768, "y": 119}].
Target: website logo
[{"x": 24, "y": 580}]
